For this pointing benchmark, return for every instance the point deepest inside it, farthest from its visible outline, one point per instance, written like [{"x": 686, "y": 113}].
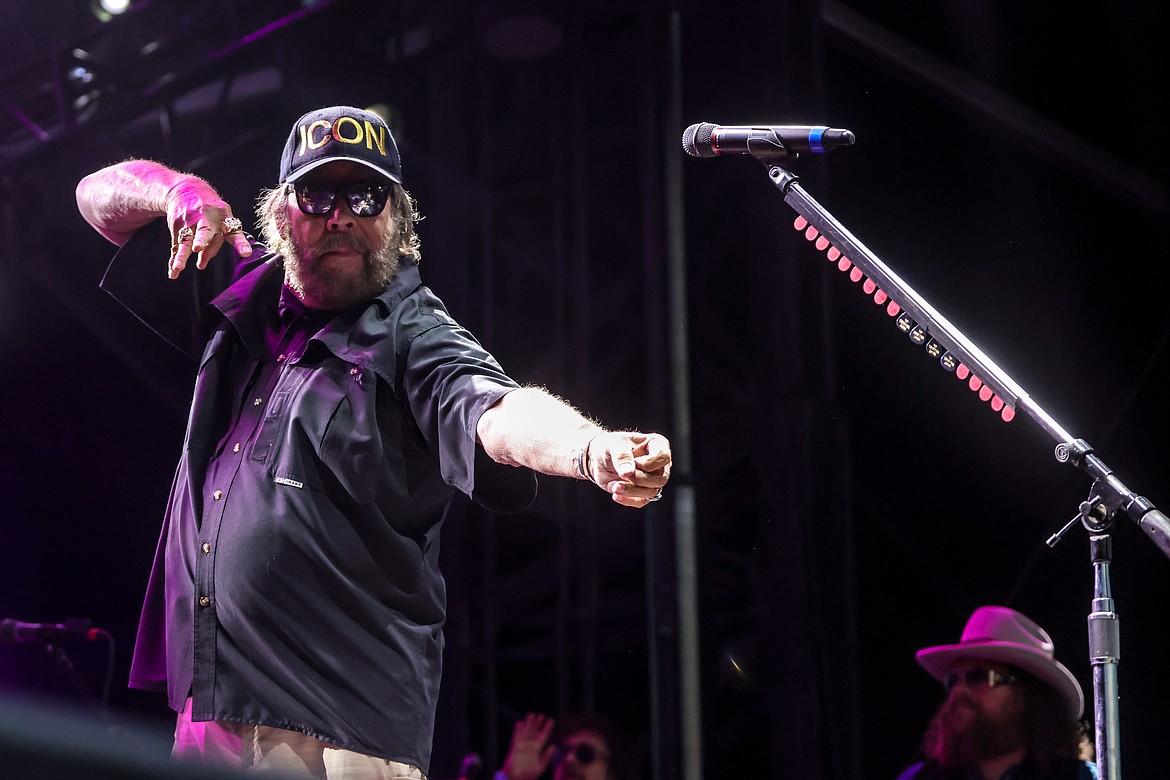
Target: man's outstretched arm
[{"x": 530, "y": 427}]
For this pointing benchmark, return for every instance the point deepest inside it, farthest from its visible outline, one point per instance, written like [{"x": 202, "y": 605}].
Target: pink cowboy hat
[{"x": 1004, "y": 635}]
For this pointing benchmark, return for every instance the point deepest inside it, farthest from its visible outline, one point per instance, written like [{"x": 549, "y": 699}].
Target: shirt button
[
  {"x": 206, "y": 547},
  {"x": 217, "y": 495},
  {"x": 281, "y": 358},
  {"x": 236, "y": 448},
  {"x": 204, "y": 601},
  {"x": 257, "y": 402}
]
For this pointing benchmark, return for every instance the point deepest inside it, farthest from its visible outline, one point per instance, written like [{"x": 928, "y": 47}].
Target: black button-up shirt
[{"x": 296, "y": 582}]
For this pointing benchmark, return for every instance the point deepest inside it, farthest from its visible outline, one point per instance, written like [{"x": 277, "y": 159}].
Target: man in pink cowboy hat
[{"x": 1012, "y": 711}]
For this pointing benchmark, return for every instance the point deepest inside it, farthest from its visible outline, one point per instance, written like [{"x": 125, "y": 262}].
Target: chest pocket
[{"x": 320, "y": 430}]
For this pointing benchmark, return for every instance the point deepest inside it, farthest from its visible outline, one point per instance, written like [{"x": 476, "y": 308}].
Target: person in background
[
  {"x": 1011, "y": 712},
  {"x": 577, "y": 747}
]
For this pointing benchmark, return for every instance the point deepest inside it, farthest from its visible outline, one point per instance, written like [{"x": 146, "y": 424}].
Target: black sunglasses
[
  {"x": 977, "y": 677},
  {"x": 365, "y": 199},
  {"x": 582, "y": 751}
]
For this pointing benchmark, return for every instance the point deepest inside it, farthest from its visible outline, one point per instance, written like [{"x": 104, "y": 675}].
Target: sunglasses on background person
[
  {"x": 584, "y": 752},
  {"x": 976, "y": 677},
  {"x": 365, "y": 199}
]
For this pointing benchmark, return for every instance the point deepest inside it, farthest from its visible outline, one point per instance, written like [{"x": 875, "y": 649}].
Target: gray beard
[{"x": 332, "y": 290}]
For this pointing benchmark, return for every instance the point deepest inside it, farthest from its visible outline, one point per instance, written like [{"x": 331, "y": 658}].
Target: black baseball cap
[{"x": 340, "y": 133}]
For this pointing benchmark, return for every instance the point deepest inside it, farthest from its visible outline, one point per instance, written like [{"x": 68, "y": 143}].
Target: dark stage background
[{"x": 853, "y": 502}]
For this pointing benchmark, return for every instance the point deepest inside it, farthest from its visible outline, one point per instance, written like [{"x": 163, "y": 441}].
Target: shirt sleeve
[
  {"x": 175, "y": 309},
  {"x": 450, "y": 380}
]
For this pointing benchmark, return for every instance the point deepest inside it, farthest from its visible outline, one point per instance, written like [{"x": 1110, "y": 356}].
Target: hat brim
[
  {"x": 937, "y": 661},
  {"x": 299, "y": 172}
]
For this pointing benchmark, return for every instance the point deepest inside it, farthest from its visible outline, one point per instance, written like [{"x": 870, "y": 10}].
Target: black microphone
[
  {"x": 707, "y": 140},
  {"x": 13, "y": 631}
]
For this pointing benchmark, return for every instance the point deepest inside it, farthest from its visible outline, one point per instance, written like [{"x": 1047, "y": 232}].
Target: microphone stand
[
  {"x": 1108, "y": 498},
  {"x": 100, "y": 703},
  {"x": 61, "y": 658}
]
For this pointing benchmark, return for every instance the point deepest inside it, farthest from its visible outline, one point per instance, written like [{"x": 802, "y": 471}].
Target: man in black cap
[
  {"x": 1012, "y": 711},
  {"x": 294, "y": 615}
]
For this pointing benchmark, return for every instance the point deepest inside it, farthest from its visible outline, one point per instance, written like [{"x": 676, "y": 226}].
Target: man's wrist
[{"x": 582, "y": 464}]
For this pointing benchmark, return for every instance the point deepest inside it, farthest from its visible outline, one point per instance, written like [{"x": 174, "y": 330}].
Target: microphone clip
[{"x": 769, "y": 150}]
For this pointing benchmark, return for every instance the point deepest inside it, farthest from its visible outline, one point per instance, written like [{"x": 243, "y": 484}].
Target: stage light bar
[{"x": 918, "y": 334}]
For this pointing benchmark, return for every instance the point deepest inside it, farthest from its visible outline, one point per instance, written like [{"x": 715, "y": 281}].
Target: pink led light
[
  {"x": 997, "y": 403},
  {"x": 856, "y": 274},
  {"x": 1007, "y": 414},
  {"x": 962, "y": 372},
  {"x": 869, "y": 286},
  {"x": 893, "y": 309},
  {"x": 810, "y": 233},
  {"x": 844, "y": 263},
  {"x": 985, "y": 393},
  {"x": 974, "y": 382},
  {"x": 880, "y": 297},
  {"x": 834, "y": 253},
  {"x": 800, "y": 223},
  {"x": 822, "y": 242}
]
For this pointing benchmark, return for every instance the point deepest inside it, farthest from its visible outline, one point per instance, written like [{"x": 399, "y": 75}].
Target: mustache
[
  {"x": 333, "y": 242},
  {"x": 960, "y": 699}
]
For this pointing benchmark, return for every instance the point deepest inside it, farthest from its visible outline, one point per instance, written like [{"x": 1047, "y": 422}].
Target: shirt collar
[{"x": 289, "y": 307}]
